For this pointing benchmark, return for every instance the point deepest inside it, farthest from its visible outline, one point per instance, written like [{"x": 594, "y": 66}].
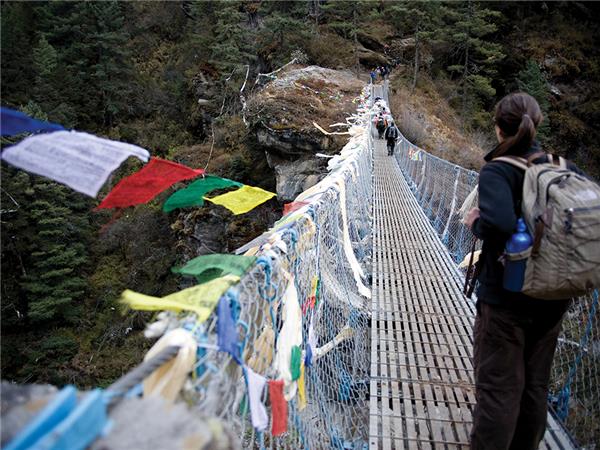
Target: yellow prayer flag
[
  {"x": 301, "y": 390},
  {"x": 200, "y": 299},
  {"x": 243, "y": 200}
]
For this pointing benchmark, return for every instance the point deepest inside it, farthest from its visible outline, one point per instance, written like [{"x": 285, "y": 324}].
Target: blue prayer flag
[
  {"x": 227, "y": 332},
  {"x": 15, "y": 122}
]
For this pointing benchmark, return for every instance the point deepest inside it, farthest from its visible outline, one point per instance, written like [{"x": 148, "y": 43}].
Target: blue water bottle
[{"x": 515, "y": 262}]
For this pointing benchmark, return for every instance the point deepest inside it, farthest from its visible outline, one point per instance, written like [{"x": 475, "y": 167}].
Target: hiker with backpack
[
  {"x": 523, "y": 294},
  {"x": 391, "y": 134},
  {"x": 380, "y": 125}
]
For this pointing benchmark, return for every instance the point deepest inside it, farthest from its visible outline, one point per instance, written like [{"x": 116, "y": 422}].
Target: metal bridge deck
[{"x": 422, "y": 389}]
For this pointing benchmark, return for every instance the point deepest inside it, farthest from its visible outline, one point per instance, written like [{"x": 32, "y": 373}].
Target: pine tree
[
  {"x": 56, "y": 253},
  {"x": 422, "y": 19},
  {"x": 468, "y": 28},
  {"x": 18, "y": 37},
  {"x": 232, "y": 43},
  {"x": 533, "y": 81},
  {"x": 94, "y": 66},
  {"x": 346, "y": 19},
  {"x": 284, "y": 30}
]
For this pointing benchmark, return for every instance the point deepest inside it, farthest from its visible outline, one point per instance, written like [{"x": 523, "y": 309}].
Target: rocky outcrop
[{"x": 282, "y": 116}]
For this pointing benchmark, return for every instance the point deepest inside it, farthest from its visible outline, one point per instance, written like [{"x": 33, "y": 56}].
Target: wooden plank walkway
[{"x": 422, "y": 389}]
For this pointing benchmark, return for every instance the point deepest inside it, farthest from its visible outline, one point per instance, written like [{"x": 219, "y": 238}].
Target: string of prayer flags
[
  {"x": 301, "y": 390},
  {"x": 243, "y": 200},
  {"x": 200, "y": 299},
  {"x": 293, "y": 206},
  {"x": 143, "y": 186},
  {"x": 415, "y": 154},
  {"x": 258, "y": 412},
  {"x": 227, "y": 335},
  {"x": 168, "y": 379},
  {"x": 278, "y": 408},
  {"x": 193, "y": 195},
  {"x": 79, "y": 160},
  {"x": 16, "y": 122},
  {"x": 208, "y": 267}
]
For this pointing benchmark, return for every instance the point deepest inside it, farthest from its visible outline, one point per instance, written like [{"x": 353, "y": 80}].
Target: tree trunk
[
  {"x": 354, "y": 26},
  {"x": 414, "y": 84},
  {"x": 316, "y": 13},
  {"x": 466, "y": 67}
]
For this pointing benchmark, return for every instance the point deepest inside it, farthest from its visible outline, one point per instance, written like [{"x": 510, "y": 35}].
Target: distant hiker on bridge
[
  {"x": 515, "y": 335},
  {"x": 380, "y": 125},
  {"x": 391, "y": 135},
  {"x": 373, "y": 76}
]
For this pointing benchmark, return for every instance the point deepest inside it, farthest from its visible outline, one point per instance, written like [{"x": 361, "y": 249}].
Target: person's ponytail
[{"x": 518, "y": 116}]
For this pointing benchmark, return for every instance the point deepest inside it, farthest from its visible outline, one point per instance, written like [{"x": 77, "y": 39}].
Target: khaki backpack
[{"x": 562, "y": 211}]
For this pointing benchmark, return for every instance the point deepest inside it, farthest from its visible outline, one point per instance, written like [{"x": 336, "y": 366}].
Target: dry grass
[
  {"x": 427, "y": 120},
  {"x": 301, "y": 96}
]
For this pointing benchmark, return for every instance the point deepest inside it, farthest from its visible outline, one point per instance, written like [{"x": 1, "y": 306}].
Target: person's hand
[{"x": 471, "y": 216}]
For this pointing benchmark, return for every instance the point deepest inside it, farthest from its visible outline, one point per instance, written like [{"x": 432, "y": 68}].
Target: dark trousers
[
  {"x": 512, "y": 357},
  {"x": 391, "y": 143}
]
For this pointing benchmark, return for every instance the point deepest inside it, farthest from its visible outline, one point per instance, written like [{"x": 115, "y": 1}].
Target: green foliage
[
  {"x": 56, "y": 253},
  {"x": 469, "y": 28},
  {"x": 422, "y": 19},
  {"x": 282, "y": 33},
  {"x": 230, "y": 46},
  {"x": 533, "y": 81}
]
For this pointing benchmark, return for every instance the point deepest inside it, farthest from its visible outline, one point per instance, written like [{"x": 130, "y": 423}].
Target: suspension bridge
[
  {"x": 422, "y": 389},
  {"x": 363, "y": 278}
]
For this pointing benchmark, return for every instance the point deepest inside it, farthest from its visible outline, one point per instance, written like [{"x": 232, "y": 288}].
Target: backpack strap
[
  {"x": 517, "y": 161},
  {"x": 557, "y": 161}
]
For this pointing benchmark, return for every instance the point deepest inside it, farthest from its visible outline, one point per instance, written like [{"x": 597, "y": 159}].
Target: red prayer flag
[
  {"x": 278, "y": 408},
  {"x": 143, "y": 186},
  {"x": 293, "y": 206}
]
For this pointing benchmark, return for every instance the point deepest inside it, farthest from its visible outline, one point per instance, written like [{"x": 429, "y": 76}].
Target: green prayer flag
[
  {"x": 295, "y": 362},
  {"x": 193, "y": 195},
  {"x": 209, "y": 267}
]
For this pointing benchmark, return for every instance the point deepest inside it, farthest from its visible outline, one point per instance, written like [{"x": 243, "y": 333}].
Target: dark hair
[{"x": 518, "y": 115}]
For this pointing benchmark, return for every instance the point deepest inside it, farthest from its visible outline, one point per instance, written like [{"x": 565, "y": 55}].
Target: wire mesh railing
[
  {"x": 322, "y": 252},
  {"x": 441, "y": 188}
]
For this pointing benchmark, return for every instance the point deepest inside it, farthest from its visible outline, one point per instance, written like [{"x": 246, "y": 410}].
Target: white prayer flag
[
  {"x": 258, "y": 412},
  {"x": 80, "y": 160}
]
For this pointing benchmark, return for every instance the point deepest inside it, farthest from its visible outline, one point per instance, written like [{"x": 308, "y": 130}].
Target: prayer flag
[
  {"x": 193, "y": 195},
  {"x": 295, "y": 362},
  {"x": 278, "y": 408},
  {"x": 15, "y": 122},
  {"x": 79, "y": 160},
  {"x": 301, "y": 390},
  {"x": 200, "y": 299},
  {"x": 258, "y": 412},
  {"x": 293, "y": 206},
  {"x": 227, "y": 336},
  {"x": 262, "y": 350},
  {"x": 289, "y": 336},
  {"x": 208, "y": 267},
  {"x": 143, "y": 186},
  {"x": 243, "y": 200},
  {"x": 168, "y": 379}
]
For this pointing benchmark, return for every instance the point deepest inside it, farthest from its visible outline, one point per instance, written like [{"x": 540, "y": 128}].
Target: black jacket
[{"x": 500, "y": 195}]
